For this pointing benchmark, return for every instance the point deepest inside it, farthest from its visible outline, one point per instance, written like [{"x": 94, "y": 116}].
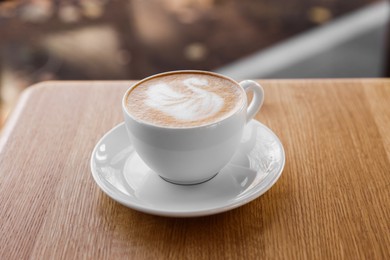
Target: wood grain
[{"x": 332, "y": 201}]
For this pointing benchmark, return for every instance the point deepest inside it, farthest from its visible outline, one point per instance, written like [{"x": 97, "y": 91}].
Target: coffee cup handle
[{"x": 257, "y": 100}]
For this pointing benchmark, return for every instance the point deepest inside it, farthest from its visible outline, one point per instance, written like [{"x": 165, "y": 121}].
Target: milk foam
[
  {"x": 195, "y": 104},
  {"x": 184, "y": 99}
]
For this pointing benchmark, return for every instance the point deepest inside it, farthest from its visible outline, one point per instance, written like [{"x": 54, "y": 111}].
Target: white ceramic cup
[{"x": 192, "y": 155}]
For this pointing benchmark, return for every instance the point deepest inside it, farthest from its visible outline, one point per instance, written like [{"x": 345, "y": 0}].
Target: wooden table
[{"x": 332, "y": 200}]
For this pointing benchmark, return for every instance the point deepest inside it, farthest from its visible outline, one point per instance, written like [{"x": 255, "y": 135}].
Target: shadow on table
[{"x": 193, "y": 236}]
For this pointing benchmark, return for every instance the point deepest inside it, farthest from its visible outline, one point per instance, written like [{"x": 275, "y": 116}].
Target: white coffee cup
[{"x": 192, "y": 155}]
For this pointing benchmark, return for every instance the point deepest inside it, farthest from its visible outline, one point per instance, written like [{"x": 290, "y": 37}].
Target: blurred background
[{"x": 131, "y": 39}]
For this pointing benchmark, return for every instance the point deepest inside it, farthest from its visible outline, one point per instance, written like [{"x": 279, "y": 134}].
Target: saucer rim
[{"x": 185, "y": 213}]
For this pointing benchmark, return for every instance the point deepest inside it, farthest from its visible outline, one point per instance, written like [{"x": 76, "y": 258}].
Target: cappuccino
[{"x": 184, "y": 99}]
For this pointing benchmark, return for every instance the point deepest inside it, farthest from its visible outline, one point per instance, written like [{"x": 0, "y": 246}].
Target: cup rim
[{"x": 145, "y": 123}]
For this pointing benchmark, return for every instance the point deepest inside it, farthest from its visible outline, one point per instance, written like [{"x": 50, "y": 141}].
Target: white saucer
[{"x": 122, "y": 175}]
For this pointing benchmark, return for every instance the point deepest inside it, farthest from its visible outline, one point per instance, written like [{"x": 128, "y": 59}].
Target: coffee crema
[{"x": 184, "y": 99}]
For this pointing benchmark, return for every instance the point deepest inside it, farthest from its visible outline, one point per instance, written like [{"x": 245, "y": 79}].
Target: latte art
[
  {"x": 195, "y": 105},
  {"x": 184, "y": 99}
]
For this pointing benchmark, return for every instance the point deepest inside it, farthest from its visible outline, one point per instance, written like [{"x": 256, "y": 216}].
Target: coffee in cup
[
  {"x": 187, "y": 125},
  {"x": 186, "y": 99}
]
